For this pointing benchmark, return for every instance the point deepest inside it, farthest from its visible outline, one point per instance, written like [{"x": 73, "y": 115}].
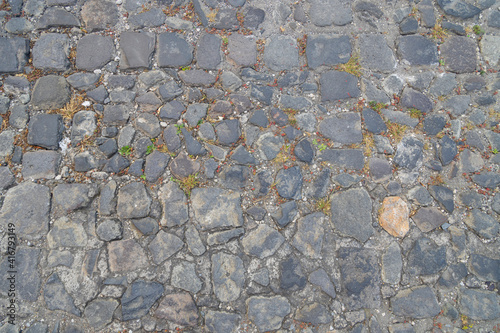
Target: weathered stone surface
[
  {"x": 394, "y": 216},
  {"x": 267, "y": 313},
  {"x": 50, "y": 92},
  {"x": 485, "y": 268},
  {"x": 360, "y": 277},
  {"x": 153, "y": 17},
  {"x": 126, "y": 255},
  {"x": 351, "y": 213},
  {"x": 429, "y": 218},
  {"x": 30, "y": 223},
  {"x": 262, "y": 241},
  {"x": 57, "y": 17},
  {"x": 93, "y": 52},
  {"x": 281, "y": 53},
  {"x": 417, "y": 50},
  {"x": 99, "y": 312},
  {"x": 57, "y": 298},
  {"x": 335, "y": 85},
  {"x": 136, "y": 49},
  {"x": 14, "y": 54},
  {"x": 184, "y": 277},
  {"x": 308, "y": 238},
  {"x": 133, "y": 201},
  {"x": 223, "y": 322},
  {"x": 228, "y": 276},
  {"x": 380, "y": 169},
  {"x": 320, "y": 278},
  {"x": 178, "y": 308},
  {"x": 109, "y": 230},
  {"x": 216, "y": 208},
  {"x": 175, "y": 208},
  {"x": 447, "y": 150},
  {"x": 70, "y": 197},
  {"x": 483, "y": 224},
  {"x": 479, "y": 304},
  {"x": 458, "y": 8},
  {"x": 242, "y": 50},
  {"x": 173, "y": 50},
  {"x": 414, "y": 99},
  {"x": 376, "y": 54},
  {"x": 392, "y": 264},
  {"x": 27, "y": 278},
  {"x": 343, "y": 128},
  {"x": 41, "y": 164},
  {"x": 409, "y": 153},
  {"x": 459, "y": 54},
  {"x": 99, "y": 15},
  {"x": 489, "y": 49},
  {"x": 51, "y": 52},
  {"x": 325, "y": 13},
  {"x": 164, "y": 245},
  {"x": 487, "y": 179},
  {"x": 444, "y": 196},
  {"x": 426, "y": 258},
  {"x": 324, "y": 50},
  {"x": 315, "y": 313},
  {"x": 292, "y": 275},
  {"x": 289, "y": 183},
  {"x": 418, "y": 302},
  {"x": 269, "y": 145},
  {"x": 139, "y": 298}
]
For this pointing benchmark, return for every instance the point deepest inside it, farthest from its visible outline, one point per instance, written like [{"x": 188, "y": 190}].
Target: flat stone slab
[
  {"x": 335, "y": 85},
  {"x": 173, "y": 50},
  {"x": 228, "y": 276},
  {"x": 479, "y": 304},
  {"x": 323, "y": 50},
  {"x": 94, "y": 51},
  {"x": 418, "y": 302},
  {"x": 459, "y": 54},
  {"x": 376, "y": 54},
  {"x": 262, "y": 241},
  {"x": 14, "y": 52},
  {"x": 139, "y": 298},
  {"x": 216, "y": 208},
  {"x": 281, "y": 53},
  {"x": 417, "y": 50},
  {"x": 429, "y": 218},
  {"x": 343, "y": 128},
  {"x": 178, "y": 308},
  {"x": 267, "y": 313}
]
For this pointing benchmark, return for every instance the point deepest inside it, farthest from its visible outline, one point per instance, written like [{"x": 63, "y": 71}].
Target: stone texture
[
  {"x": 394, "y": 216},
  {"x": 126, "y": 255},
  {"x": 479, "y": 304},
  {"x": 50, "y": 92},
  {"x": 139, "y": 298},
  {"x": 344, "y": 128},
  {"x": 133, "y": 201},
  {"x": 93, "y": 52},
  {"x": 242, "y": 50},
  {"x": 136, "y": 49},
  {"x": 228, "y": 276},
  {"x": 262, "y": 241},
  {"x": 173, "y": 50},
  {"x": 483, "y": 224},
  {"x": 99, "y": 15},
  {"x": 376, "y": 54},
  {"x": 267, "y": 313},
  {"x": 417, "y": 50},
  {"x": 14, "y": 53},
  {"x": 426, "y": 257},
  {"x": 309, "y": 236},
  {"x": 281, "y": 53},
  {"x": 215, "y": 208},
  {"x": 337, "y": 85},
  {"x": 178, "y": 308},
  {"x": 51, "y": 52},
  {"x": 57, "y": 298},
  {"x": 429, "y": 218},
  {"x": 418, "y": 302},
  {"x": 323, "y": 50},
  {"x": 164, "y": 245}
]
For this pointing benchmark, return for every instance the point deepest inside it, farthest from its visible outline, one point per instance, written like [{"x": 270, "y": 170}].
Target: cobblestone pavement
[{"x": 249, "y": 166}]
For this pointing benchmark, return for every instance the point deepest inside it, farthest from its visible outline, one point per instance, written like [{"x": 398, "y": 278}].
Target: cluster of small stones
[{"x": 250, "y": 166}]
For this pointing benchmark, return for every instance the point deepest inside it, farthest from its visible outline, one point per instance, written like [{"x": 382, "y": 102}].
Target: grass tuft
[{"x": 352, "y": 66}]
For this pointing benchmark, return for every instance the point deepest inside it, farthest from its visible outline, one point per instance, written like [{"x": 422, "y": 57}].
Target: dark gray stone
[
  {"x": 7, "y": 142},
  {"x": 228, "y": 131},
  {"x": 57, "y": 298},
  {"x": 133, "y": 201},
  {"x": 459, "y": 54},
  {"x": 194, "y": 113},
  {"x": 116, "y": 164},
  {"x": 281, "y": 53},
  {"x": 295, "y": 102},
  {"x": 174, "y": 203},
  {"x": 264, "y": 94},
  {"x": 173, "y": 50},
  {"x": 444, "y": 196},
  {"x": 57, "y": 17},
  {"x": 109, "y": 230},
  {"x": 458, "y": 8},
  {"x": 373, "y": 122},
  {"x": 418, "y": 302},
  {"x": 360, "y": 278},
  {"x": 324, "y": 13},
  {"x": 66, "y": 233},
  {"x": 222, "y": 322},
  {"x": 228, "y": 276},
  {"x": 50, "y": 92},
  {"x": 257, "y": 213},
  {"x": 429, "y": 218},
  {"x": 215, "y": 207},
  {"x": 172, "y": 110},
  {"x": 417, "y": 50},
  {"x": 226, "y": 19},
  {"x": 27, "y": 278},
  {"x": 98, "y": 94},
  {"x": 485, "y": 268},
  {"x": 458, "y": 104},
  {"x": 83, "y": 81},
  {"x": 99, "y": 312},
  {"x": 183, "y": 166},
  {"x": 18, "y": 116},
  {"x": 19, "y": 25},
  {"x": 471, "y": 199},
  {"x": 434, "y": 123},
  {"x": 308, "y": 238},
  {"x": 304, "y": 151},
  {"x": 324, "y": 50},
  {"x": 487, "y": 179},
  {"x": 122, "y": 96},
  {"x": 6, "y": 178},
  {"x": 94, "y": 51},
  {"x": 163, "y": 246},
  {"x": 352, "y": 159},
  {"x": 293, "y": 79},
  {"x": 116, "y": 115},
  {"x": 148, "y": 124},
  {"x": 409, "y": 153},
  {"x": 408, "y": 26},
  {"x": 242, "y": 156},
  {"x": 344, "y": 128},
  {"x": 483, "y": 224},
  {"x": 107, "y": 200},
  {"x": 479, "y": 304},
  {"x": 452, "y": 276},
  {"x": 494, "y": 19},
  {"x": 208, "y": 51},
  {"x": 252, "y": 75},
  {"x": 289, "y": 183},
  {"x": 235, "y": 177},
  {"x": 380, "y": 169},
  {"x": 376, "y": 54},
  {"x": 121, "y": 81},
  {"x": 153, "y": 17},
  {"x": 322, "y": 280},
  {"x": 253, "y": 18},
  {"x": 267, "y": 313},
  {"x": 99, "y": 15},
  {"x": 414, "y": 99},
  {"x": 242, "y": 50},
  {"x": 443, "y": 85},
  {"x": 399, "y": 117},
  {"x": 292, "y": 277},
  {"x": 392, "y": 264},
  {"x": 136, "y": 49},
  {"x": 351, "y": 213},
  {"x": 84, "y": 162},
  {"x": 51, "y": 52},
  {"x": 262, "y": 241},
  {"x": 197, "y": 78},
  {"x": 70, "y": 197},
  {"x": 315, "y": 313},
  {"x": 453, "y": 27},
  {"x": 447, "y": 150},
  {"x": 156, "y": 163},
  {"x": 147, "y": 226},
  {"x": 337, "y": 85},
  {"x": 259, "y": 118},
  {"x": 107, "y": 146},
  {"x": 45, "y": 130},
  {"x": 193, "y": 146},
  {"x": 426, "y": 258},
  {"x": 139, "y": 298}
]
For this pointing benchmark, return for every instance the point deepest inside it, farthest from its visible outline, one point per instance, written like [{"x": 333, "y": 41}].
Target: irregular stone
[
  {"x": 153, "y": 17},
  {"x": 146, "y": 226},
  {"x": 108, "y": 147},
  {"x": 487, "y": 179},
  {"x": 57, "y": 17},
  {"x": 136, "y": 49},
  {"x": 94, "y": 51},
  {"x": 376, "y": 54},
  {"x": 479, "y": 304},
  {"x": 286, "y": 213},
  {"x": 429, "y": 218},
  {"x": 400, "y": 118},
  {"x": 228, "y": 131},
  {"x": 323, "y": 50},
  {"x": 19, "y": 25},
  {"x": 33, "y": 223},
  {"x": 433, "y": 124},
  {"x": 223, "y": 322},
  {"x": 314, "y": 313},
  {"x": 99, "y": 312},
  {"x": 163, "y": 246},
  {"x": 262, "y": 241},
  {"x": 7, "y": 142},
  {"x": 452, "y": 276},
  {"x": 126, "y": 255},
  {"x": 447, "y": 150},
  {"x": 41, "y": 164},
  {"x": 175, "y": 209},
  {"x": 408, "y": 26},
  {"x": 483, "y": 224},
  {"x": 242, "y": 156},
  {"x": 304, "y": 151},
  {"x": 324, "y": 13},
  {"x": 230, "y": 81},
  {"x": 292, "y": 277},
  {"x": 489, "y": 49},
  {"x": 308, "y": 238},
  {"x": 394, "y": 216},
  {"x": 409, "y": 153},
  {"x": 344, "y": 128},
  {"x": 392, "y": 264},
  {"x": 320, "y": 278},
  {"x": 57, "y": 298},
  {"x": 184, "y": 277},
  {"x": 414, "y": 99},
  {"x": 264, "y": 94},
  {"x": 267, "y": 313},
  {"x": 373, "y": 121},
  {"x": 215, "y": 207},
  {"x": 295, "y": 102},
  {"x": 50, "y": 92},
  {"x": 444, "y": 196},
  {"x": 14, "y": 53},
  {"x": 178, "y": 308},
  {"x": 139, "y": 298},
  {"x": 99, "y": 15},
  {"x": 289, "y": 183},
  {"x": 172, "y": 110},
  {"x": 109, "y": 230},
  {"x": 83, "y": 81},
  {"x": 116, "y": 164},
  {"x": 197, "y": 78},
  {"x": 351, "y": 213},
  {"x": 458, "y": 8},
  {"x": 27, "y": 278},
  {"x": 459, "y": 54},
  {"x": 242, "y": 50},
  {"x": 485, "y": 268},
  {"x": 418, "y": 302},
  {"x": 253, "y": 18},
  {"x": 208, "y": 51},
  {"x": 84, "y": 125},
  {"x": 360, "y": 277},
  {"x": 173, "y": 50},
  {"x": 269, "y": 146},
  {"x": 98, "y": 94},
  {"x": 223, "y": 237},
  {"x": 443, "y": 85},
  {"x": 417, "y": 50},
  {"x": 133, "y": 201},
  {"x": 51, "y": 52},
  {"x": 335, "y": 85},
  {"x": 69, "y": 197},
  {"x": 426, "y": 258},
  {"x": 193, "y": 146},
  {"x": 352, "y": 159},
  {"x": 226, "y": 19},
  {"x": 281, "y": 53},
  {"x": 228, "y": 276},
  {"x": 7, "y": 178},
  {"x": 380, "y": 169}
]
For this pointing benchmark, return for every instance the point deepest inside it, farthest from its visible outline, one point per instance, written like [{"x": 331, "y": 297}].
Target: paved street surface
[{"x": 249, "y": 166}]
